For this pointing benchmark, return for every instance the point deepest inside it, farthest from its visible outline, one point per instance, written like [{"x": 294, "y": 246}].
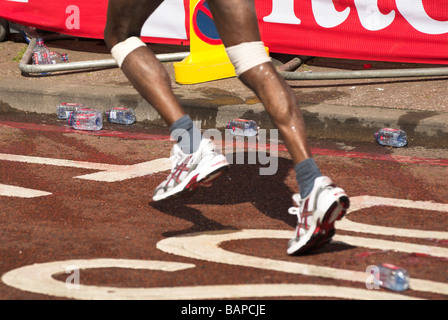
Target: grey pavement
[{"x": 323, "y": 120}]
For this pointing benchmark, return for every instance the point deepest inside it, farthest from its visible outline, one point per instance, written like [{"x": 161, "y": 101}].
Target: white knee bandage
[
  {"x": 123, "y": 49},
  {"x": 247, "y": 55}
]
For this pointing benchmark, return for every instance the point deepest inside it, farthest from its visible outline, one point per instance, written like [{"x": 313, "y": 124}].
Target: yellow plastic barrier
[{"x": 208, "y": 59}]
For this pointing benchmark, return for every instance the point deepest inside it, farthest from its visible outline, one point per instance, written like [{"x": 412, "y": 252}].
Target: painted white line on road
[
  {"x": 18, "y": 192},
  {"x": 38, "y": 278},
  {"x": 59, "y": 162},
  {"x": 379, "y": 244},
  {"x": 109, "y": 172},
  {"x": 365, "y": 202},
  {"x": 208, "y": 247},
  {"x": 130, "y": 172}
]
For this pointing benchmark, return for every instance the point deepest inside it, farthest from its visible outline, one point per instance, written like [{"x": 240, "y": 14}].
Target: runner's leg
[
  {"x": 237, "y": 23},
  {"x": 195, "y": 159},
  {"x": 125, "y": 19},
  {"x": 320, "y": 202}
]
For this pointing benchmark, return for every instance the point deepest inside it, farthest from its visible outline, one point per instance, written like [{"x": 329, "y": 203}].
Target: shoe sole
[
  {"x": 193, "y": 184},
  {"x": 325, "y": 229}
]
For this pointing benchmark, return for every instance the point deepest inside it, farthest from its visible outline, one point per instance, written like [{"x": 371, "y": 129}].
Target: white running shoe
[
  {"x": 191, "y": 170},
  {"x": 317, "y": 214}
]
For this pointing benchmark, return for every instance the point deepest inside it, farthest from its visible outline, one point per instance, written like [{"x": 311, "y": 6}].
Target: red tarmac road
[{"x": 76, "y": 208}]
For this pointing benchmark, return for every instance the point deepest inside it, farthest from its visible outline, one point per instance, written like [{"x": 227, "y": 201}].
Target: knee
[
  {"x": 109, "y": 37},
  {"x": 115, "y": 33},
  {"x": 247, "y": 55}
]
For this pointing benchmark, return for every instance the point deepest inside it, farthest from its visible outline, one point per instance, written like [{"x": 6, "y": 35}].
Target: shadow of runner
[{"x": 241, "y": 184}]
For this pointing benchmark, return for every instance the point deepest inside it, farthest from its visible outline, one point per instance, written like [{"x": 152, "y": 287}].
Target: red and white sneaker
[
  {"x": 316, "y": 216},
  {"x": 191, "y": 170}
]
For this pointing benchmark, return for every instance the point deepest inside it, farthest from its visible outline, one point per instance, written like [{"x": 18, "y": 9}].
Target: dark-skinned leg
[
  {"x": 320, "y": 202},
  {"x": 237, "y": 23},
  {"x": 125, "y": 19},
  {"x": 195, "y": 159}
]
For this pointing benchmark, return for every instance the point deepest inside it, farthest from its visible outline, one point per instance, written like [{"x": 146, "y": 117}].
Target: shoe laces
[
  {"x": 177, "y": 157},
  {"x": 302, "y": 221},
  {"x": 295, "y": 211}
]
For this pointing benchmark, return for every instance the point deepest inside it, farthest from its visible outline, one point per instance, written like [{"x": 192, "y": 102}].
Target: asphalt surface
[
  {"x": 93, "y": 211},
  {"x": 76, "y": 206}
]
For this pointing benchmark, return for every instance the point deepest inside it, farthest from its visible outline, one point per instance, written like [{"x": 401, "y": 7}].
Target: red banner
[
  {"x": 79, "y": 18},
  {"x": 387, "y": 30},
  {"x": 87, "y": 18}
]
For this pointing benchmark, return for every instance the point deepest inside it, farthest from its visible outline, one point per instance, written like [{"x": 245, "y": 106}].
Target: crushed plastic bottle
[
  {"x": 57, "y": 57},
  {"x": 41, "y": 53},
  {"x": 121, "y": 116},
  {"x": 29, "y": 32},
  {"x": 86, "y": 119},
  {"x": 65, "y": 109},
  {"x": 393, "y": 278},
  {"x": 391, "y": 137},
  {"x": 241, "y": 127}
]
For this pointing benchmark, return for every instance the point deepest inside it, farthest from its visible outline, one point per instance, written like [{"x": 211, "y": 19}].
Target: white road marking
[
  {"x": 38, "y": 278},
  {"x": 18, "y": 192},
  {"x": 130, "y": 172},
  {"x": 379, "y": 244},
  {"x": 207, "y": 246},
  {"x": 58, "y": 162},
  {"x": 364, "y": 202},
  {"x": 109, "y": 172}
]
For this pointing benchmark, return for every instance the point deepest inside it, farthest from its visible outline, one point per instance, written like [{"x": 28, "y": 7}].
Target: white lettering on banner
[
  {"x": 414, "y": 12},
  {"x": 73, "y": 21},
  {"x": 371, "y": 17},
  {"x": 326, "y": 14},
  {"x": 282, "y": 12},
  {"x": 23, "y": 1}
]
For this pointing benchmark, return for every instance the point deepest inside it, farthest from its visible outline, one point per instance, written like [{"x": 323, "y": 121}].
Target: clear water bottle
[
  {"x": 241, "y": 127},
  {"x": 121, "y": 116},
  {"x": 57, "y": 57},
  {"x": 391, "y": 137},
  {"x": 41, "y": 53},
  {"x": 393, "y": 278},
  {"x": 65, "y": 109},
  {"x": 86, "y": 119}
]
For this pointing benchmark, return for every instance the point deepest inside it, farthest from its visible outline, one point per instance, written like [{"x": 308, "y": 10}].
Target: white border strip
[{"x": 18, "y": 192}]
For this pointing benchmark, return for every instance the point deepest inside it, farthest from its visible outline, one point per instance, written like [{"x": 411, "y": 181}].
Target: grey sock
[
  {"x": 188, "y": 137},
  {"x": 306, "y": 172}
]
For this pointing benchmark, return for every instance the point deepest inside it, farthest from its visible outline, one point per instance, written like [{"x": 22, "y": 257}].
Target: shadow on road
[{"x": 241, "y": 184}]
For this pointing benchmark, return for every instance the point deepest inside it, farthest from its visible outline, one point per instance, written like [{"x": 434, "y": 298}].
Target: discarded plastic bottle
[
  {"x": 41, "y": 53},
  {"x": 241, "y": 127},
  {"x": 393, "y": 278},
  {"x": 391, "y": 137},
  {"x": 57, "y": 57},
  {"x": 86, "y": 119},
  {"x": 65, "y": 109},
  {"x": 29, "y": 32},
  {"x": 121, "y": 116}
]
